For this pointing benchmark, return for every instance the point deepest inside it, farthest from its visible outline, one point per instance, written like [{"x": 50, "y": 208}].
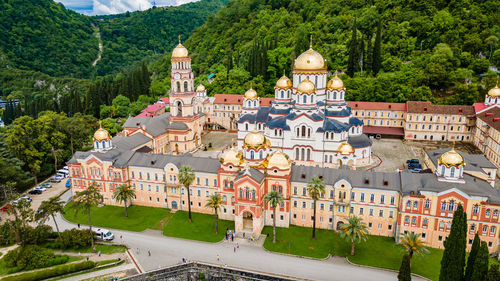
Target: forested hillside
[
  {"x": 140, "y": 35},
  {"x": 429, "y": 50}
]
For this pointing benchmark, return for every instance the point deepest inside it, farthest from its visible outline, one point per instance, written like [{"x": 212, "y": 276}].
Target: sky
[{"x": 106, "y": 7}]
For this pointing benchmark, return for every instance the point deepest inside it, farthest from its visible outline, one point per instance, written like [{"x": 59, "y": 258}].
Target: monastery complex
[{"x": 307, "y": 130}]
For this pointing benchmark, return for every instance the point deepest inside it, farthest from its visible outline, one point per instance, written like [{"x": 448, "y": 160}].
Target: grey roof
[
  {"x": 132, "y": 142},
  {"x": 253, "y": 173},
  {"x": 119, "y": 157},
  {"x": 159, "y": 161},
  {"x": 177, "y": 125},
  {"x": 153, "y": 125},
  {"x": 359, "y": 141},
  {"x": 473, "y": 162}
]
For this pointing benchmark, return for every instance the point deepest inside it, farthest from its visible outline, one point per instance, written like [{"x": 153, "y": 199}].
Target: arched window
[
  {"x": 246, "y": 127},
  {"x": 488, "y": 212},
  {"x": 261, "y": 154},
  {"x": 247, "y": 193},
  {"x": 241, "y": 193},
  {"x": 452, "y": 173},
  {"x": 308, "y": 154},
  {"x": 178, "y": 86},
  {"x": 252, "y": 154},
  {"x": 451, "y": 205},
  {"x": 475, "y": 209},
  {"x": 97, "y": 145},
  {"x": 253, "y": 194},
  {"x": 427, "y": 204},
  {"x": 282, "y": 94},
  {"x": 303, "y": 131},
  {"x": 302, "y": 152},
  {"x": 297, "y": 152},
  {"x": 443, "y": 206},
  {"x": 231, "y": 184},
  {"x": 298, "y": 131},
  {"x": 103, "y": 144},
  {"x": 254, "y": 103},
  {"x": 309, "y": 132},
  {"x": 185, "y": 86},
  {"x": 442, "y": 170},
  {"x": 280, "y": 189},
  {"x": 304, "y": 99},
  {"x": 334, "y": 95},
  {"x": 312, "y": 99}
]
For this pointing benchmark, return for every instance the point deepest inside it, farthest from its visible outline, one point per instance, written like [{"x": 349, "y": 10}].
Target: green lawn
[
  {"x": 202, "y": 228},
  {"x": 104, "y": 248},
  {"x": 139, "y": 218}
]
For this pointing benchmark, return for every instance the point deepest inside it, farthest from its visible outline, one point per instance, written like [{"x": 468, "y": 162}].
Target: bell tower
[{"x": 182, "y": 83}]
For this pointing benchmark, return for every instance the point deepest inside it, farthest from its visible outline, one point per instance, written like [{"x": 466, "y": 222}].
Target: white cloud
[{"x": 104, "y": 7}]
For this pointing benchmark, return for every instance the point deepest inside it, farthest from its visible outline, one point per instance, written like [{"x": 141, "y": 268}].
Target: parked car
[
  {"x": 35, "y": 192},
  {"x": 46, "y": 185},
  {"x": 415, "y": 168},
  {"x": 55, "y": 179},
  {"x": 27, "y": 198},
  {"x": 412, "y": 161},
  {"x": 68, "y": 183},
  {"x": 41, "y": 188},
  {"x": 104, "y": 234},
  {"x": 5, "y": 208}
]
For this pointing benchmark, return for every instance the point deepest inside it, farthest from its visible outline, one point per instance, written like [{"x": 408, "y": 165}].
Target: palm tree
[
  {"x": 50, "y": 208},
  {"x": 412, "y": 244},
  {"x": 215, "y": 202},
  {"x": 124, "y": 193},
  {"x": 274, "y": 199},
  {"x": 315, "y": 188},
  {"x": 186, "y": 177},
  {"x": 354, "y": 230},
  {"x": 84, "y": 200}
]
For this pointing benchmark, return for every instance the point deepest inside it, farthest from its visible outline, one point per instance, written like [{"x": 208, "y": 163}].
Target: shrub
[
  {"x": 51, "y": 272},
  {"x": 38, "y": 235},
  {"x": 7, "y": 236},
  {"x": 31, "y": 257},
  {"x": 74, "y": 238}
]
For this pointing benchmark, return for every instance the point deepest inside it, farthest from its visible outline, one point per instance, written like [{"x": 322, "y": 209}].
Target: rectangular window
[
  {"x": 371, "y": 212},
  {"x": 392, "y": 200},
  {"x": 295, "y": 190},
  {"x": 361, "y": 211},
  {"x": 381, "y": 213},
  {"x": 304, "y": 191},
  {"x": 304, "y": 205},
  {"x": 382, "y": 199},
  {"x": 353, "y": 195},
  {"x": 372, "y": 198},
  {"x": 322, "y": 206},
  {"x": 362, "y": 197},
  {"x": 331, "y": 207},
  {"x": 295, "y": 204}
]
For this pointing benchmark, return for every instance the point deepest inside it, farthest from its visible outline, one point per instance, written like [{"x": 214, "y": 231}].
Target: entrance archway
[
  {"x": 179, "y": 108},
  {"x": 340, "y": 163},
  {"x": 339, "y": 224},
  {"x": 248, "y": 221}
]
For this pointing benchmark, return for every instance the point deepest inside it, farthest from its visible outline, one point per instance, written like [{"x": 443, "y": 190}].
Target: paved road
[{"x": 166, "y": 251}]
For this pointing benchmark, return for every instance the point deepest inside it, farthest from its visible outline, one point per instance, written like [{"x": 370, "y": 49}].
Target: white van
[
  {"x": 104, "y": 234},
  {"x": 63, "y": 173}
]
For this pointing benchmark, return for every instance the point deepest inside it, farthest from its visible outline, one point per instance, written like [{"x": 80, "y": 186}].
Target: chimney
[
  {"x": 425, "y": 109},
  {"x": 152, "y": 162},
  {"x": 488, "y": 114},
  {"x": 356, "y": 105},
  {"x": 390, "y": 105},
  {"x": 496, "y": 119},
  {"x": 460, "y": 109}
]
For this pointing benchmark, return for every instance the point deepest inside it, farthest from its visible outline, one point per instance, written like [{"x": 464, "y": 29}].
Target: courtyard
[{"x": 215, "y": 142}]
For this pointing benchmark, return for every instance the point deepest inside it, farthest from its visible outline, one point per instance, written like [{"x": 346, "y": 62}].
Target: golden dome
[
  {"x": 200, "y": 88},
  {"x": 494, "y": 92},
  {"x": 279, "y": 160},
  {"x": 232, "y": 156},
  {"x": 451, "y": 158},
  {"x": 306, "y": 87},
  {"x": 101, "y": 134},
  {"x": 251, "y": 94},
  {"x": 335, "y": 84},
  {"x": 255, "y": 140},
  {"x": 345, "y": 148},
  {"x": 180, "y": 52},
  {"x": 284, "y": 83},
  {"x": 310, "y": 60}
]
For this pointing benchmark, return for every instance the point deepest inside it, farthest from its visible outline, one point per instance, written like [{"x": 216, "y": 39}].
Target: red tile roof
[
  {"x": 478, "y": 106},
  {"x": 394, "y": 131},
  {"x": 491, "y": 117},
  {"x": 376, "y": 105},
  {"x": 238, "y": 99},
  {"x": 428, "y": 107},
  {"x": 165, "y": 100},
  {"x": 266, "y": 101},
  {"x": 153, "y": 108}
]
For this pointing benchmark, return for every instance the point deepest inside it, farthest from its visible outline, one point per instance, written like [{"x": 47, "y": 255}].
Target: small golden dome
[
  {"x": 180, "y": 52},
  {"x": 251, "y": 94},
  {"x": 232, "y": 156},
  {"x": 255, "y": 140},
  {"x": 310, "y": 60},
  {"x": 451, "y": 158},
  {"x": 494, "y": 92},
  {"x": 101, "y": 134},
  {"x": 279, "y": 160},
  {"x": 283, "y": 83},
  {"x": 345, "y": 148},
  {"x": 306, "y": 87},
  {"x": 335, "y": 84},
  {"x": 200, "y": 88}
]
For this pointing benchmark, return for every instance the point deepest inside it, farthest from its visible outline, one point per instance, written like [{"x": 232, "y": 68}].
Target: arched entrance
[
  {"x": 179, "y": 108},
  {"x": 196, "y": 140},
  {"x": 340, "y": 163},
  {"x": 174, "y": 205},
  {"x": 339, "y": 224},
  {"x": 247, "y": 221}
]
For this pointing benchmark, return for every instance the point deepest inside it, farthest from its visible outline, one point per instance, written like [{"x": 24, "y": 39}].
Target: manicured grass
[
  {"x": 202, "y": 228},
  {"x": 104, "y": 248},
  {"x": 139, "y": 218}
]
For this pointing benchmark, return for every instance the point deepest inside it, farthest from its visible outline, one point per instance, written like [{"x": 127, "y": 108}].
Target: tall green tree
[
  {"x": 215, "y": 202},
  {"x": 48, "y": 209},
  {"x": 493, "y": 273},
  {"x": 481, "y": 263},
  {"x": 453, "y": 261},
  {"x": 22, "y": 215},
  {"x": 186, "y": 177},
  {"x": 274, "y": 199},
  {"x": 353, "y": 52},
  {"x": 377, "y": 53},
  {"x": 472, "y": 257},
  {"x": 412, "y": 244},
  {"x": 124, "y": 194},
  {"x": 405, "y": 269},
  {"x": 315, "y": 189},
  {"x": 355, "y": 230},
  {"x": 11, "y": 171},
  {"x": 85, "y": 200}
]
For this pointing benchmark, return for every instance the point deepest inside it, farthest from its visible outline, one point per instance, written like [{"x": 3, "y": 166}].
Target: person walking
[
  {"x": 218, "y": 257},
  {"x": 234, "y": 249},
  {"x": 99, "y": 253},
  {"x": 78, "y": 226},
  {"x": 137, "y": 250},
  {"x": 149, "y": 252},
  {"x": 232, "y": 238}
]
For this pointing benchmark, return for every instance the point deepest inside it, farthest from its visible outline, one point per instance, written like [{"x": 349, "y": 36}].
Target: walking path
[
  {"x": 166, "y": 251},
  {"x": 123, "y": 267}
]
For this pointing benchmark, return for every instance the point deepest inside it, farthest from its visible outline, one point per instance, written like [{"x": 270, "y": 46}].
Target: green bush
[
  {"x": 51, "y": 272},
  {"x": 74, "y": 238},
  {"x": 31, "y": 257},
  {"x": 38, "y": 235},
  {"x": 7, "y": 236}
]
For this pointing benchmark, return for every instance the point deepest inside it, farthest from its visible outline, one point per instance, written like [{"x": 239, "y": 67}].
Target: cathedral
[{"x": 309, "y": 119}]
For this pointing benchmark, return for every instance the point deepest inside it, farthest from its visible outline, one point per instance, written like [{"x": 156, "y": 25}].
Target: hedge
[{"x": 51, "y": 272}]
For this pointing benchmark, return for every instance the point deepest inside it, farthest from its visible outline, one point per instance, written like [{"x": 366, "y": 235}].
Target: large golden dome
[
  {"x": 101, "y": 134},
  {"x": 200, "y": 88},
  {"x": 494, "y": 92},
  {"x": 251, "y": 94},
  {"x": 279, "y": 160},
  {"x": 335, "y": 84},
  {"x": 451, "y": 158},
  {"x": 232, "y": 156},
  {"x": 310, "y": 60},
  {"x": 283, "y": 83},
  {"x": 306, "y": 87},
  {"x": 180, "y": 52},
  {"x": 345, "y": 148},
  {"x": 255, "y": 140}
]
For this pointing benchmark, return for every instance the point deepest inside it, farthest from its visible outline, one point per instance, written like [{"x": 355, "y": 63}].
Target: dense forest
[{"x": 427, "y": 50}]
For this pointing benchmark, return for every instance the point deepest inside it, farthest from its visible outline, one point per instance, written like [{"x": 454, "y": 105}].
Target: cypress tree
[
  {"x": 453, "y": 261},
  {"x": 353, "y": 52},
  {"x": 405, "y": 269},
  {"x": 369, "y": 53},
  {"x": 377, "y": 55},
  {"x": 481, "y": 263},
  {"x": 493, "y": 273},
  {"x": 472, "y": 257}
]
